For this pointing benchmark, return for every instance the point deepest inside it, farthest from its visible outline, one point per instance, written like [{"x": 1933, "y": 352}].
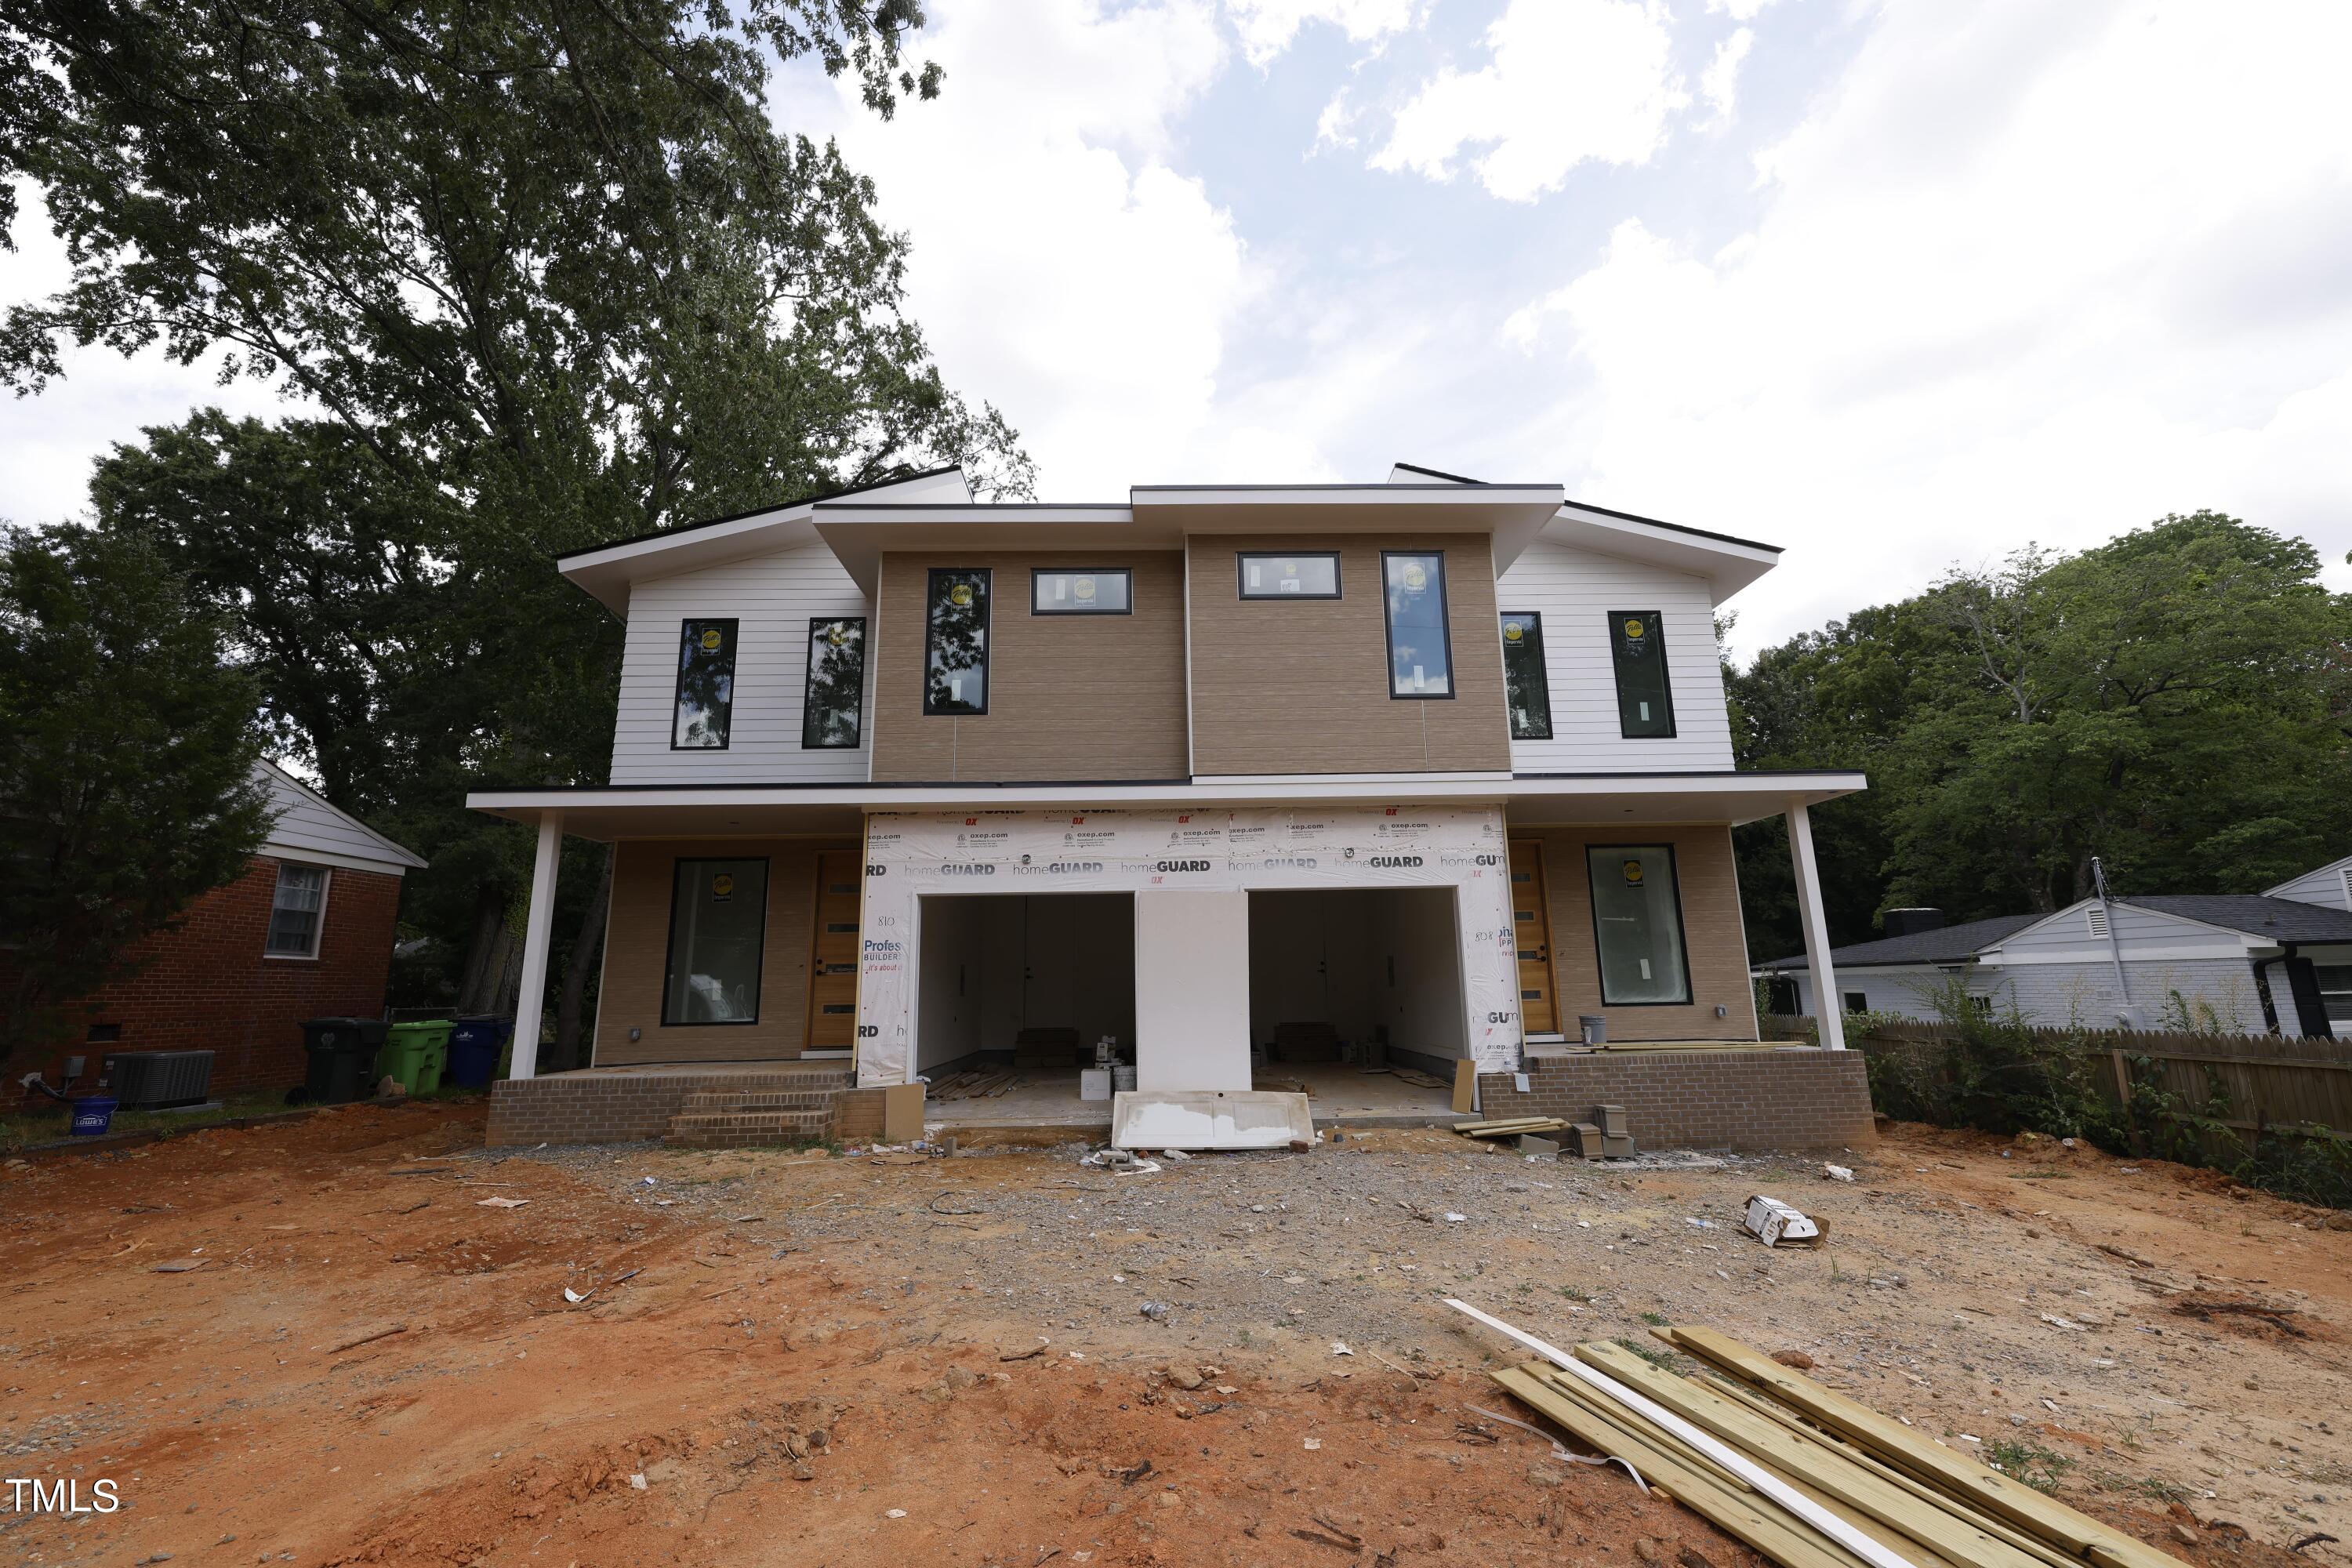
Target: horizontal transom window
[
  {"x": 1315, "y": 575},
  {"x": 1081, "y": 590}
]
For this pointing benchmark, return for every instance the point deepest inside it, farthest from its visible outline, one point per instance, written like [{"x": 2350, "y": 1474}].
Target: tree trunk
[
  {"x": 474, "y": 989},
  {"x": 585, "y": 947}
]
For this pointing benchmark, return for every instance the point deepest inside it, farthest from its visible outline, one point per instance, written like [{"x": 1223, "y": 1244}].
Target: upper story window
[
  {"x": 1645, "y": 702},
  {"x": 1421, "y": 646},
  {"x": 955, "y": 641},
  {"x": 1088, "y": 591},
  {"x": 833, "y": 707},
  {"x": 706, "y": 686},
  {"x": 1310, "y": 576},
  {"x": 1637, "y": 924},
  {"x": 297, "y": 910},
  {"x": 1527, "y": 690}
]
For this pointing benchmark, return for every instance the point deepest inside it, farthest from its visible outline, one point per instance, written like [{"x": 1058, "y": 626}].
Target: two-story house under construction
[{"x": 1257, "y": 780}]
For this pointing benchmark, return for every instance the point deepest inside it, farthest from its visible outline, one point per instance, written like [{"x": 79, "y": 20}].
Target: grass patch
[
  {"x": 46, "y": 1122},
  {"x": 2154, "y": 1488},
  {"x": 2036, "y": 1466}
]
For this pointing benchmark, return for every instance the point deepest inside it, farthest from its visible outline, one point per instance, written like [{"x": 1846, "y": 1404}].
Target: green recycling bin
[{"x": 416, "y": 1054}]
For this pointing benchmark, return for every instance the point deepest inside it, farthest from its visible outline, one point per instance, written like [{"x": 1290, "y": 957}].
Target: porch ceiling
[{"x": 603, "y": 812}]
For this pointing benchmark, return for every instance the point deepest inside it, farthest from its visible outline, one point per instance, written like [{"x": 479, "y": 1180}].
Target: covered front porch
[{"x": 1237, "y": 932}]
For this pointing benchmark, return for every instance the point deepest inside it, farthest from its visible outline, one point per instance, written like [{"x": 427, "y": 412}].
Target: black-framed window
[
  {"x": 1526, "y": 688},
  {"x": 1081, "y": 590},
  {"x": 833, "y": 704},
  {"x": 1420, "y": 644},
  {"x": 1855, "y": 1001},
  {"x": 955, "y": 641},
  {"x": 1310, "y": 575},
  {"x": 706, "y": 686},
  {"x": 1637, "y": 925},
  {"x": 718, "y": 929},
  {"x": 1645, "y": 698}
]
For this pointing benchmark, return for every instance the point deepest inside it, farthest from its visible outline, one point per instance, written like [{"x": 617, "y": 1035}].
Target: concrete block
[{"x": 1542, "y": 1148}]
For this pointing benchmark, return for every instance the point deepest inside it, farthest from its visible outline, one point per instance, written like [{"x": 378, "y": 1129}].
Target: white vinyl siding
[
  {"x": 772, "y": 597},
  {"x": 303, "y": 826},
  {"x": 2330, "y": 887},
  {"x": 1574, "y": 591}
]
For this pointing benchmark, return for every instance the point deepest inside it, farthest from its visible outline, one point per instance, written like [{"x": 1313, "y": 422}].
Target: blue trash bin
[
  {"x": 474, "y": 1043},
  {"x": 93, "y": 1115}
]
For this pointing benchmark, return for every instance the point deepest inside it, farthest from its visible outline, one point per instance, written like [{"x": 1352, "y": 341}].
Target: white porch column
[
  {"x": 536, "y": 927},
  {"x": 1829, "y": 1008}
]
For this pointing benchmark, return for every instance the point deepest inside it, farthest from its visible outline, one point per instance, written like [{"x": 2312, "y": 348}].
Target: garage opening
[
  {"x": 1355, "y": 995},
  {"x": 1026, "y": 982}
]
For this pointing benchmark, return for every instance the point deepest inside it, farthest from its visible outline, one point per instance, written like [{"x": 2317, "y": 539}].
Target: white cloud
[
  {"x": 1720, "y": 81},
  {"x": 1267, "y": 27},
  {"x": 1570, "y": 81},
  {"x": 2013, "y": 280},
  {"x": 47, "y": 443},
  {"x": 1061, "y": 268},
  {"x": 1738, "y": 10},
  {"x": 1336, "y": 126}
]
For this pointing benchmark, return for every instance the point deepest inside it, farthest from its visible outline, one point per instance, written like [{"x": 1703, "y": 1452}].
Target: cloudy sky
[{"x": 1893, "y": 285}]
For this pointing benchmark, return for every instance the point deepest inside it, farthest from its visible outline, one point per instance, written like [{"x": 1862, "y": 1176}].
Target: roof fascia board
[
  {"x": 860, "y": 535},
  {"x": 1727, "y": 565},
  {"x": 395, "y": 852}
]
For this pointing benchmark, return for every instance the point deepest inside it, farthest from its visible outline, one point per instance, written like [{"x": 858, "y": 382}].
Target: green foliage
[
  {"x": 2016, "y": 722},
  {"x": 2038, "y": 1467},
  {"x": 1991, "y": 1071},
  {"x": 126, "y": 787},
  {"x": 550, "y": 277}
]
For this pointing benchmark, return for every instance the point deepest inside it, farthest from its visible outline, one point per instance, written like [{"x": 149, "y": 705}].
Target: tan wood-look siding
[
  {"x": 1712, "y": 934},
  {"x": 1069, "y": 696},
  {"x": 1301, "y": 686},
  {"x": 636, "y": 954}
]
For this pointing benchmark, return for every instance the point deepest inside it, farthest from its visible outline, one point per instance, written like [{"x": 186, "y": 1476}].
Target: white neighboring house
[{"x": 2238, "y": 963}]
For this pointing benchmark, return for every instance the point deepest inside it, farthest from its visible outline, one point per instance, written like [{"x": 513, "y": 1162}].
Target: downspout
[{"x": 2115, "y": 947}]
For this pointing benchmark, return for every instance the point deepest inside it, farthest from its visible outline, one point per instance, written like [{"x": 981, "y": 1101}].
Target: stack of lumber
[
  {"x": 974, "y": 1083},
  {"x": 1806, "y": 1476},
  {"x": 1510, "y": 1127}
]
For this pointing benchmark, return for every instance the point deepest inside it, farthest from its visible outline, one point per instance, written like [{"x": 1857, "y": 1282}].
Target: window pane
[
  {"x": 2336, "y": 992},
  {"x": 294, "y": 911},
  {"x": 1079, "y": 593},
  {"x": 1421, "y": 659},
  {"x": 1637, "y": 923},
  {"x": 1645, "y": 708},
  {"x": 831, "y": 707},
  {"x": 717, "y": 922},
  {"x": 1527, "y": 690},
  {"x": 1290, "y": 576},
  {"x": 955, "y": 643},
  {"x": 706, "y": 686}
]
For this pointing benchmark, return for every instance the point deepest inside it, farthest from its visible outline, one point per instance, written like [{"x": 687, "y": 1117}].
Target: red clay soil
[{"x": 372, "y": 1362}]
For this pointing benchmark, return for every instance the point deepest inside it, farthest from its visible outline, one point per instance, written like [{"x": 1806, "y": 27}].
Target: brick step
[
  {"x": 722, "y": 1129},
  {"x": 757, "y": 1100}
]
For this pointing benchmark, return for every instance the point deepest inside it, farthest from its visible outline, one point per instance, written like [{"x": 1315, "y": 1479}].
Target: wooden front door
[
  {"x": 1531, "y": 921},
  {"x": 833, "y": 953}
]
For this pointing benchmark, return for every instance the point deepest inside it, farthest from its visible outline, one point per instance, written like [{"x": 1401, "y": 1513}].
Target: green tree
[
  {"x": 2177, "y": 701},
  {"x": 126, "y": 784},
  {"x": 547, "y": 277}
]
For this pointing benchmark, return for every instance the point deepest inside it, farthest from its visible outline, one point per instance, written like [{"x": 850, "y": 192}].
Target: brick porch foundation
[
  {"x": 1750, "y": 1101},
  {"x": 624, "y": 1105}
]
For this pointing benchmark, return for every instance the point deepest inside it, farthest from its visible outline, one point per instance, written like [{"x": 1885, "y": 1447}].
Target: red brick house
[{"x": 305, "y": 932}]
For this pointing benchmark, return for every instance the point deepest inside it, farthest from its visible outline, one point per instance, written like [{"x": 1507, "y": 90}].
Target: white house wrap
[{"x": 1149, "y": 854}]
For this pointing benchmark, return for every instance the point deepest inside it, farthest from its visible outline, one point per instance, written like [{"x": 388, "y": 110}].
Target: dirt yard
[{"x": 1008, "y": 1357}]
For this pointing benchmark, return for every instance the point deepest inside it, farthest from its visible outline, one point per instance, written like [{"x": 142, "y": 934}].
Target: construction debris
[
  {"x": 976, "y": 1084},
  {"x": 1776, "y": 1224},
  {"x": 1805, "y": 1476}
]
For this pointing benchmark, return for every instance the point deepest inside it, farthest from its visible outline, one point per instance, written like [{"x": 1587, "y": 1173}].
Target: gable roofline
[
  {"x": 676, "y": 530},
  {"x": 1939, "y": 947},
  {"x": 280, "y": 783},
  {"x": 2339, "y": 866}
]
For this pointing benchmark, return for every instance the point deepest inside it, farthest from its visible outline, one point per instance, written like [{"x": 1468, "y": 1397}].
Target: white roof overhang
[
  {"x": 668, "y": 811},
  {"x": 1727, "y": 564},
  {"x": 858, "y": 533},
  {"x": 1513, "y": 514},
  {"x": 607, "y": 571}
]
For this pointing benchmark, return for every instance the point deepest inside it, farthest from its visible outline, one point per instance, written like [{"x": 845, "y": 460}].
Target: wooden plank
[
  {"x": 1736, "y": 1513},
  {"x": 1466, "y": 1086},
  {"x": 1952, "y": 1473},
  {"x": 1998, "y": 1528},
  {"x": 1838, "y": 1480}
]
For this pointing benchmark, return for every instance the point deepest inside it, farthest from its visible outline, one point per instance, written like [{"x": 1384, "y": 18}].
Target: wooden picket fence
[{"x": 2268, "y": 1080}]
